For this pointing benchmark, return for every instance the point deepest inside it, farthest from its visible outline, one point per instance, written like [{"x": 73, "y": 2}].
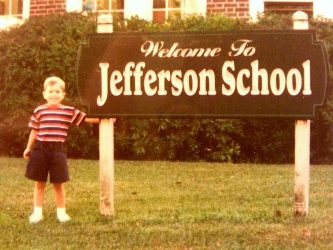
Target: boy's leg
[
  {"x": 59, "y": 190},
  {"x": 39, "y": 193},
  {"x": 39, "y": 190}
]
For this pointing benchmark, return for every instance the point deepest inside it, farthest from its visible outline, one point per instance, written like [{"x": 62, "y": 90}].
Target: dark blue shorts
[{"x": 48, "y": 158}]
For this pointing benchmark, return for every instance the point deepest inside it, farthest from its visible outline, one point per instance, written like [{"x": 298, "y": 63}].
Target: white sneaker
[
  {"x": 62, "y": 216},
  {"x": 35, "y": 218}
]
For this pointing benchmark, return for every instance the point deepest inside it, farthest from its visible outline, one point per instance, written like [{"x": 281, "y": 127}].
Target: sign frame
[{"x": 152, "y": 102}]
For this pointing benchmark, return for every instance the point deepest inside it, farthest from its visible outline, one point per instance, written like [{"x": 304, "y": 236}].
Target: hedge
[{"x": 48, "y": 45}]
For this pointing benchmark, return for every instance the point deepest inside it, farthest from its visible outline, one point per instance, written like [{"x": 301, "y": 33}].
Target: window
[
  {"x": 283, "y": 7},
  {"x": 116, "y": 7},
  {"x": 12, "y": 12},
  {"x": 164, "y": 9},
  {"x": 151, "y": 10},
  {"x": 11, "y": 8},
  {"x": 311, "y": 7},
  {"x": 198, "y": 7}
]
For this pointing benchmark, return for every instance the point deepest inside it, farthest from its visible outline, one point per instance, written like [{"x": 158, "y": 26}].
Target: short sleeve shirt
[{"x": 52, "y": 123}]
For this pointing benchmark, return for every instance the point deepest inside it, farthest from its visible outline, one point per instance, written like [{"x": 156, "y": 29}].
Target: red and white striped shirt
[{"x": 52, "y": 123}]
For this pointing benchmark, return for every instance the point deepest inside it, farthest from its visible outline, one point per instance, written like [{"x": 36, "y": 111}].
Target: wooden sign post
[
  {"x": 106, "y": 143},
  {"x": 302, "y": 145}
]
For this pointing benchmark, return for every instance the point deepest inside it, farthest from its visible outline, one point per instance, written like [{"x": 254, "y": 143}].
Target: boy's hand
[{"x": 27, "y": 153}]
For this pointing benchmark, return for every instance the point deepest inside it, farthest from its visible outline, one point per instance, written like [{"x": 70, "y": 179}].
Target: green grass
[{"x": 171, "y": 205}]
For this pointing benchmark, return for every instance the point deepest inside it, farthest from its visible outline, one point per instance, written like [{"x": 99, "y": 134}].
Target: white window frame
[
  {"x": 195, "y": 7},
  {"x": 25, "y": 9},
  {"x": 77, "y": 6},
  {"x": 166, "y": 10},
  {"x": 74, "y": 6},
  {"x": 323, "y": 8},
  {"x": 145, "y": 9},
  {"x": 7, "y": 21},
  {"x": 320, "y": 7}
]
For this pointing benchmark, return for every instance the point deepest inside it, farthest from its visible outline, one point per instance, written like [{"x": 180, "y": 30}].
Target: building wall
[
  {"x": 231, "y": 8},
  {"x": 44, "y": 7}
]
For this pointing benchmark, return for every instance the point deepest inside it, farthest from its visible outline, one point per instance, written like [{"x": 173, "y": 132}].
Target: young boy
[{"x": 45, "y": 149}]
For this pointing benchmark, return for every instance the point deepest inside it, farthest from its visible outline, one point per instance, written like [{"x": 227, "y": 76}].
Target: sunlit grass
[{"x": 171, "y": 205}]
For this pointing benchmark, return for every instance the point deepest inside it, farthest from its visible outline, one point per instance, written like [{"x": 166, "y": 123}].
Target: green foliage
[
  {"x": 39, "y": 48},
  {"x": 178, "y": 139},
  {"x": 267, "y": 140},
  {"x": 273, "y": 22},
  {"x": 322, "y": 128},
  {"x": 48, "y": 45}
]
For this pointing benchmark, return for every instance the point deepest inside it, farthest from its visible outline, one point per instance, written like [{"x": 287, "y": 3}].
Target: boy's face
[{"x": 54, "y": 94}]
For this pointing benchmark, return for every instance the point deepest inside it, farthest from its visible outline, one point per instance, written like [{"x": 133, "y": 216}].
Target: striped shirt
[{"x": 52, "y": 123}]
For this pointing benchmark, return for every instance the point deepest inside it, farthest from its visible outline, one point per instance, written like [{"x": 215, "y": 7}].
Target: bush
[
  {"x": 41, "y": 47},
  {"x": 48, "y": 45},
  {"x": 178, "y": 139}
]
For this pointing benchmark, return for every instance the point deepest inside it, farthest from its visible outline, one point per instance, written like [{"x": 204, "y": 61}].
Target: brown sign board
[{"x": 234, "y": 74}]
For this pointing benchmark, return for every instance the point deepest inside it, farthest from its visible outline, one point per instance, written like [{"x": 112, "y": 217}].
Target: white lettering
[
  {"x": 256, "y": 74},
  {"x": 149, "y": 79},
  {"x": 149, "y": 48},
  {"x": 138, "y": 73},
  {"x": 177, "y": 84},
  {"x": 204, "y": 75},
  {"x": 228, "y": 78},
  {"x": 306, "y": 74},
  {"x": 294, "y": 87},
  {"x": 149, "y": 90},
  {"x": 136, "y": 80},
  {"x": 242, "y": 90},
  {"x": 115, "y": 78},
  {"x": 241, "y": 47},
  {"x": 278, "y": 76},
  {"x": 101, "y": 99},
  {"x": 190, "y": 76},
  {"x": 162, "y": 76},
  {"x": 172, "y": 52},
  {"x": 128, "y": 73}
]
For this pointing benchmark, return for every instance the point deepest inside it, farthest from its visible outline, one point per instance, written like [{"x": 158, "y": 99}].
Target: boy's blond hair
[{"x": 50, "y": 81}]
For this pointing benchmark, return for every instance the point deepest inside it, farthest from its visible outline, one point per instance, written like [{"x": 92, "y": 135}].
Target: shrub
[
  {"x": 48, "y": 45},
  {"x": 41, "y": 47}
]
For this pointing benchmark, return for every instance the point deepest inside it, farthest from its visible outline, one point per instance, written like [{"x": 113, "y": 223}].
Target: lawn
[{"x": 171, "y": 205}]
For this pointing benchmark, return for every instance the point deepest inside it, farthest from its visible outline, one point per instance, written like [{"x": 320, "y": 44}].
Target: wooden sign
[{"x": 225, "y": 74}]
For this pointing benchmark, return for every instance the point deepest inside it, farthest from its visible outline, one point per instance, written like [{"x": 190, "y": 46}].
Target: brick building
[{"x": 16, "y": 11}]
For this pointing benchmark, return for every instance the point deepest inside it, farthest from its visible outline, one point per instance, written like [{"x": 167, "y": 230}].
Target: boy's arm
[
  {"x": 96, "y": 120},
  {"x": 92, "y": 120},
  {"x": 31, "y": 142}
]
